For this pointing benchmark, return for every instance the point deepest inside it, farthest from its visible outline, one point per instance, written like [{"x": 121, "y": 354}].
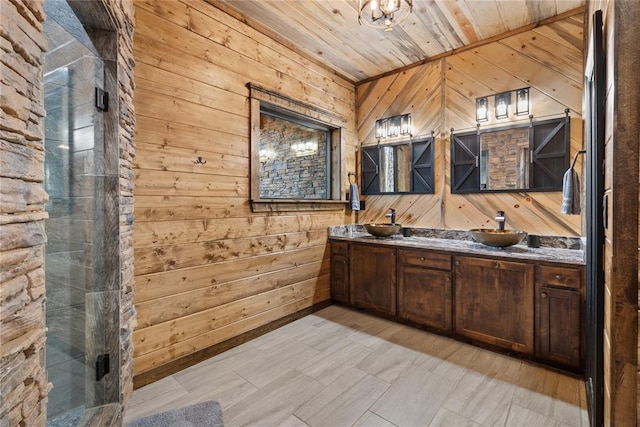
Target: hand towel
[
  {"x": 570, "y": 193},
  {"x": 354, "y": 198}
]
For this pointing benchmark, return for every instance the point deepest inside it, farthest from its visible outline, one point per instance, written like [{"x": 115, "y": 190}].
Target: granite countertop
[{"x": 552, "y": 249}]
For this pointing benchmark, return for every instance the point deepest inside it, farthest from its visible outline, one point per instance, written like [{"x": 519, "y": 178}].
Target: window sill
[{"x": 281, "y": 205}]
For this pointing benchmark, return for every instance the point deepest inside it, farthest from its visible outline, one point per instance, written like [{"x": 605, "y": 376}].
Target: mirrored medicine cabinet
[
  {"x": 398, "y": 168},
  {"x": 528, "y": 157}
]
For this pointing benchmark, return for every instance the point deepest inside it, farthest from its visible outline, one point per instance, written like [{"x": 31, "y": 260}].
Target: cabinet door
[
  {"x": 372, "y": 277},
  {"x": 558, "y": 324},
  {"x": 424, "y": 296},
  {"x": 340, "y": 278},
  {"x": 494, "y": 302}
]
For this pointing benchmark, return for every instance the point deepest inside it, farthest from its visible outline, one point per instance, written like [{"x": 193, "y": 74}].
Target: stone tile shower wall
[
  {"x": 23, "y": 381},
  {"x": 284, "y": 175}
]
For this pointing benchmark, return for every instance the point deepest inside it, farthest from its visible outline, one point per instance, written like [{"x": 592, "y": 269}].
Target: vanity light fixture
[
  {"x": 482, "y": 109},
  {"x": 502, "y": 103},
  {"x": 522, "y": 101},
  {"x": 384, "y": 14},
  {"x": 393, "y": 127}
]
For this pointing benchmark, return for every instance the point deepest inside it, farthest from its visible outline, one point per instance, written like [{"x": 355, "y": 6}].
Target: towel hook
[
  {"x": 575, "y": 157},
  {"x": 349, "y": 175}
]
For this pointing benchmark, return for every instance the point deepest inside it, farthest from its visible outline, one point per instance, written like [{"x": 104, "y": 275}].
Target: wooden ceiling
[{"x": 328, "y": 30}]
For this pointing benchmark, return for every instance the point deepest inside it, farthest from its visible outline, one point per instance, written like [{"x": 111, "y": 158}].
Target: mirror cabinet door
[
  {"x": 531, "y": 157},
  {"x": 405, "y": 167}
]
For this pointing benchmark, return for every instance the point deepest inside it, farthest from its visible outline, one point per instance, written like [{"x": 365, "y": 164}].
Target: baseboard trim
[{"x": 178, "y": 365}]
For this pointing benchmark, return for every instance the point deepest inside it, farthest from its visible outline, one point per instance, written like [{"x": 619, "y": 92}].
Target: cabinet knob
[
  {"x": 558, "y": 277},
  {"x": 544, "y": 295},
  {"x": 421, "y": 258}
]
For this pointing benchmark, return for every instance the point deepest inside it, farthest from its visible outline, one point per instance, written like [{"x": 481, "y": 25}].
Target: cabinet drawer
[
  {"x": 425, "y": 259},
  {"x": 559, "y": 276},
  {"x": 340, "y": 248}
]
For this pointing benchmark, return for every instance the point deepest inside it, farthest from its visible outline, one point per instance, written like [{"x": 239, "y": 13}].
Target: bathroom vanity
[{"x": 526, "y": 301}]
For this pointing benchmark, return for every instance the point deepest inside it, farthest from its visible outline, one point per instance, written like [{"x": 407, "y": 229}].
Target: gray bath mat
[{"x": 205, "y": 414}]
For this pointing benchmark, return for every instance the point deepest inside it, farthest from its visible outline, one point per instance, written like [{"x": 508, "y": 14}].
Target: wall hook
[
  {"x": 351, "y": 174},
  {"x": 200, "y": 161}
]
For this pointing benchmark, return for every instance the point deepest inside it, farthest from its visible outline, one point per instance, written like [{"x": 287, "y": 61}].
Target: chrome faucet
[
  {"x": 501, "y": 219},
  {"x": 392, "y": 215}
]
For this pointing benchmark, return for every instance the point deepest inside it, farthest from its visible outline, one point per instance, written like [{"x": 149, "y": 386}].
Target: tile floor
[{"x": 340, "y": 367}]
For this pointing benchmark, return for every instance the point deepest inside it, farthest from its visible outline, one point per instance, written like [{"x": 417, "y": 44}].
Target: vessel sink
[
  {"x": 382, "y": 230},
  {"x": 497, "y": 238}
]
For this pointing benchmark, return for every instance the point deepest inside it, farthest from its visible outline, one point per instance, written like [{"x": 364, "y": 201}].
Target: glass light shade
[
  {"x": 502, "y": 101},
  {"x": 522, "y": 102},
  {"x": 394, "y": 127},
  {"x": 380, "y": 129},
  {"x": 405, "y": 124},
  {"x": 482, "y": 109}
]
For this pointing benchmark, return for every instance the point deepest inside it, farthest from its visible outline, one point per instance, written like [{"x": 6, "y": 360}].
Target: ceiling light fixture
[{"x": 383, "y": 13}]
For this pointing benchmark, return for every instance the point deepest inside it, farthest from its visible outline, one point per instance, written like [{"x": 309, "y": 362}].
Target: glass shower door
[{"x": 73, "y": 159}]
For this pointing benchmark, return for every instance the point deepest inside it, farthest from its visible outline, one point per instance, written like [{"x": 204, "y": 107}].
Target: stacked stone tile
[{"x": 23, "y": 381}]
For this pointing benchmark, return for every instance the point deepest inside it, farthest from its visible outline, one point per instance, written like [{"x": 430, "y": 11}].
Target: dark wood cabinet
[
  {"x": 494, "y": 302},
  {"x": 559, "y": 315},
  {"x": 424, "y": 288},
  {"x": 372, "y": 277},
  {"x": 531, "y": 307},
  {"x": 340, "y": 272}
]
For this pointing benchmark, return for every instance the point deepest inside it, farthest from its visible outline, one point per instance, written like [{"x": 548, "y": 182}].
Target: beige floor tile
[
  {"x": 487, "y": 403},
  {"x": 283, "y": 335},
  {"x": 325, "y": 335},
  {"x": 342, "y": 367},
  {"x": 226, "y": 388},
  {"x": 414, "y": 398},
  {"x": 567, "y": 413},
  {"x": 456, "y": 365},
  {"x": 275, "y": 404},
  {"x": 335, "y": 361},
  {"x": 446, "y": 418},
  {"x": 533, "y": 401},
  {"x": 275, "y": 363},
  {"x": 387, "y": 362},
  {"x": 293, "y": 421},
  {"x": 521, "y": 417},
  {"x": 343, "y": 402},
  {"x": 369, "y": 419},
  {"x": 157, "y": 397}
]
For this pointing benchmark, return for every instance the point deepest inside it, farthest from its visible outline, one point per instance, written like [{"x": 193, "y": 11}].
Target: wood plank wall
[
  {"x": 441, "y": 95},
  {"x": 622, "y": 133},
  {"x": 207, "y": 268}
]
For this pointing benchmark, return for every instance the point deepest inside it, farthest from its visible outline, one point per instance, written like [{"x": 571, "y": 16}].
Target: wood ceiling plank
[
  {"x": 460, "y": 20},
  {"x": 220, "y": 11},
  {"x": 328, "y": 30},
  {"x": 485, "y": 18}
]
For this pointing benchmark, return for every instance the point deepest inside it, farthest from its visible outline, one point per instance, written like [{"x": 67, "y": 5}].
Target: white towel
[
  {"x": 354, "y": 199},
  {"x": 570, "y": 193}
]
